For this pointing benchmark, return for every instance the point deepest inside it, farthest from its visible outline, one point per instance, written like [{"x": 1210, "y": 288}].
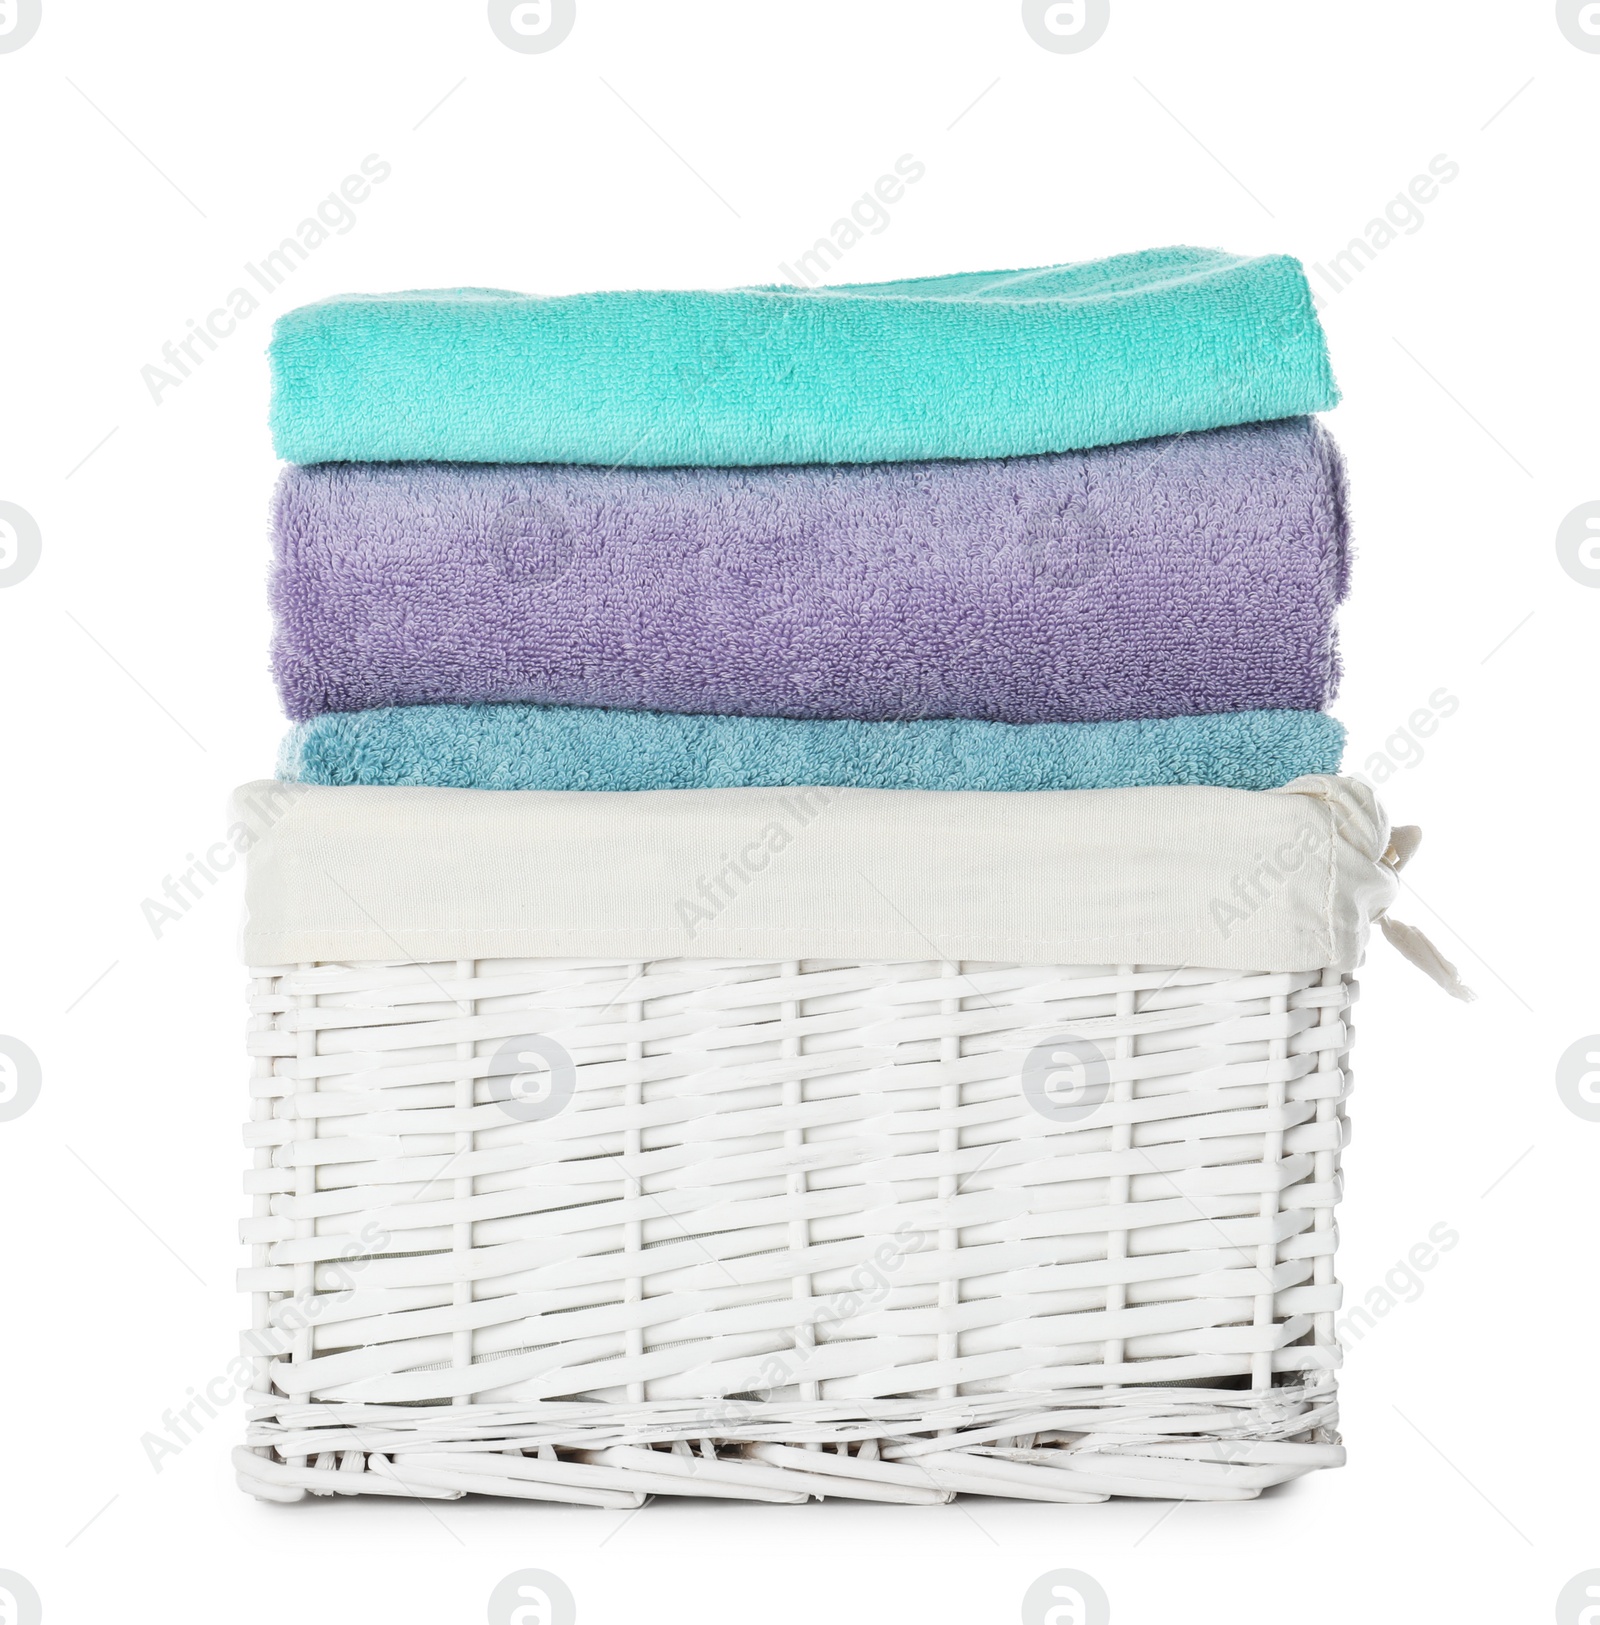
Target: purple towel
[{"x": 1196, "y": 573}]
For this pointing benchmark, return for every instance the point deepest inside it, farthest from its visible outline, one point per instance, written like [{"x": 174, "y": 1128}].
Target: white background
[{"x": 148, "y": 151}]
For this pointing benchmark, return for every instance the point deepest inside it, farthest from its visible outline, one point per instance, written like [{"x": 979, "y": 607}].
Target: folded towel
[
  {"x": 530, "y": 747},
  {"x": 1169, "y": 577},
  {"x": 991, "y": 364}
]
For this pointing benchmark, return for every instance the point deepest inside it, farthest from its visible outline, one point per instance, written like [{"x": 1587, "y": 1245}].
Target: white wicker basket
[{"x": 589, "y": 1230}]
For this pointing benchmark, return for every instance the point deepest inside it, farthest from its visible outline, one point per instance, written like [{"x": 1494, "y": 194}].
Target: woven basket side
[{"x": 902, "y": 1216}]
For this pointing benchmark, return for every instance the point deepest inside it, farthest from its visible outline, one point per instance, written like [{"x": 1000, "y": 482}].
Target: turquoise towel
[
  {"x": 532, "y": 747},
  {"x": 991, "y": 364}
]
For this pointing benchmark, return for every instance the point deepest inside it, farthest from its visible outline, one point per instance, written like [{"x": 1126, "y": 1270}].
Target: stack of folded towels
[{"x": 1034, "y": 530}]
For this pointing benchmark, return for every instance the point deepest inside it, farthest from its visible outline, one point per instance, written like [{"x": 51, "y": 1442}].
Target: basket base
[{"x": 1194, "y": 1444}]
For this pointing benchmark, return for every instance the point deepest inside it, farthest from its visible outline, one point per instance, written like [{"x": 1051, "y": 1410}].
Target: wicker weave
[{"x": 589, "y": 1231}]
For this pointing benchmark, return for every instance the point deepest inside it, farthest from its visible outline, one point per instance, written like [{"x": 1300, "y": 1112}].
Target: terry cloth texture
[
  {"x": 530, "y": 747},
  {"x": 1224, "y": 879},
  {"x": 1171, "y": 577},
  {"x": 985, "y": 364}
]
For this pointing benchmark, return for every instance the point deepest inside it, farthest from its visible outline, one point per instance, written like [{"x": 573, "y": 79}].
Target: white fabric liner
[{"x": 1284, "y": 880}]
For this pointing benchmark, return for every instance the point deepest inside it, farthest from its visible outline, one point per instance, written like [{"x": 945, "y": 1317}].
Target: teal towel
[
  {"x": 990, "y": 364},
  {"x": 533, "y": 747}
]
